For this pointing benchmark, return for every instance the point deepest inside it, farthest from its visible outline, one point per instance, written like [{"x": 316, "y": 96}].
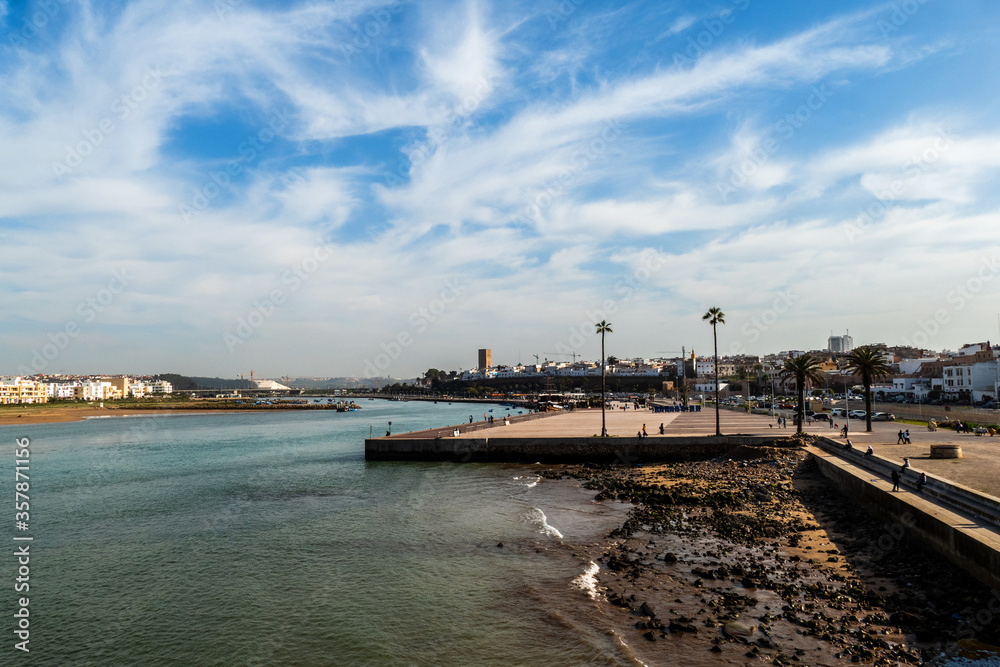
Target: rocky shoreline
[{"x": 757, "y": 559}]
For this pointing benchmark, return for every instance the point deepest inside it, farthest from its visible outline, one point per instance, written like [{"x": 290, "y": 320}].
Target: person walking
[
  {"x": 644, "y": 435},
  {"x": 899, "y": 437},
  {"x": 895, "y": 480},
  {"x": 906, "y": 437}
]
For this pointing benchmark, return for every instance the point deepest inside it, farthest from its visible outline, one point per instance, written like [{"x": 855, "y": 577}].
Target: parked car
[
  {"x": 883, "y": 417},
  {"x": 822, "y": 417},
  {"x": 857, "y": 414},
  {"x": 838, "y": 412}
]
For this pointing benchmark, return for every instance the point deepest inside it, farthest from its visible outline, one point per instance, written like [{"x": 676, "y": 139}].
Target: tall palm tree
[
  {"x": 602, "y": 328},
  {"x": 869, "y": 363},
  {"x": 802, "y": 368},
  {"x": 715, "y": 316}
]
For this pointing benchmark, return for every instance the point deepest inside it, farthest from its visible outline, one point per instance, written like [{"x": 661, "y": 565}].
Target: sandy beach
[{"x": 11, "y": 415}]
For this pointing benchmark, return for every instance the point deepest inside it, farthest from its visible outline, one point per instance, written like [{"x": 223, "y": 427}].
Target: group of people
[{"x": 897, "y": 476}]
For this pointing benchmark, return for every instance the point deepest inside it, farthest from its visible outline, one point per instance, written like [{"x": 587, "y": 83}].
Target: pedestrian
[
  {"x": 870, "y": 452},
  {"x": 644, "y": 431},
  {"x": 843, "y": 431},
  {"x": 895, "y": 480},
  {"x": 638, "y": 434},
  {"x": 906, "y": 465},
  {"x": 906, "y": 437},
  {"x": 921, "y": 482},
  {"x": 470, "y": 419},
  {"x": 899, "y": 437}
]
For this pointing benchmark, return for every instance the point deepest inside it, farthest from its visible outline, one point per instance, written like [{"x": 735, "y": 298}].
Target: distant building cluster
[
  {"x": 18, "y": 389},
  {"x": 970, "y": 374}
]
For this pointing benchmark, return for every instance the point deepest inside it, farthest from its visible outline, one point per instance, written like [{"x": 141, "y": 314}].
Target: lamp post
[{"x": 847, "y": 409}]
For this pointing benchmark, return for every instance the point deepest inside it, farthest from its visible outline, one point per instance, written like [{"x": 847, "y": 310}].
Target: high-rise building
[
  {"x": 485, "y": 358},
  {"x": 842, "y": 344}
]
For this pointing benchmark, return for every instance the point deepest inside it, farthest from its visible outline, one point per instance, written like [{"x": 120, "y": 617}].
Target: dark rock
[{"x": 682, "y": 627}]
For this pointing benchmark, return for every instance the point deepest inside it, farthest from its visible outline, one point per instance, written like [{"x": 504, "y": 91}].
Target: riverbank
[
  {"x": 49, "y": 413},
  {"x": 759, "y": 557}
]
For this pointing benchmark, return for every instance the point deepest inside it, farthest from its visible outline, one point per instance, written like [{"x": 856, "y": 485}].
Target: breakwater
[{"x": 555, "y": 449}]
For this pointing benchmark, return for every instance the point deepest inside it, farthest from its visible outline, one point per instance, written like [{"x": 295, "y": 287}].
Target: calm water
[{"x": 266, "y": 539}]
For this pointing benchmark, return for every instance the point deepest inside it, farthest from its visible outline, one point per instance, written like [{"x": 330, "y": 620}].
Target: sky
[{"x": 361, "y": 188}]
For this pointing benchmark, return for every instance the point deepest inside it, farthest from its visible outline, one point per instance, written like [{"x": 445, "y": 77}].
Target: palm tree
[
  {"x": 802, "y": 368},
  {"x": 602, "y": 328},
  {"x": 715, "y": 316},
  {"x": 869, "y": 363}
]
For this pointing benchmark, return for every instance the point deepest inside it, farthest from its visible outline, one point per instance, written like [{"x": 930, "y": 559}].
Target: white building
[
  {"x": 840, "y": 344},
  {"x": 979, "y": 380}
]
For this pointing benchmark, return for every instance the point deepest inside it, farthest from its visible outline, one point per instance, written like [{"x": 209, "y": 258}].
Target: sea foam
[{"x": 538, "y": 517}]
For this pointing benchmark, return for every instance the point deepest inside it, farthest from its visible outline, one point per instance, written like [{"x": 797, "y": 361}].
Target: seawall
[
  {"x": 555, "y": 449},
  {"x": 955, "y": 521}
]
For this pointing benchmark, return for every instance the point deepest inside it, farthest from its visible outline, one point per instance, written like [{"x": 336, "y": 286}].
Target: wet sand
[
  {"x": 759, "y": 560},
  {"x": 45, "y": 414},
  {"x": 12, "y": 415}
]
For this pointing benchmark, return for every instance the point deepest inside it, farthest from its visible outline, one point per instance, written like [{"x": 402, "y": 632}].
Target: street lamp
[{"x": 847, "y": 409}]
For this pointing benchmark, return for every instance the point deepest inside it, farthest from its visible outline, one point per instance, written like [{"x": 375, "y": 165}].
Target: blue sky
[{"x": 359, "y": 188}]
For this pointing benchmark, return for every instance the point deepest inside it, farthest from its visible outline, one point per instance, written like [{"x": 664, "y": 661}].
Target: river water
[{"x": 266, "y": 539}]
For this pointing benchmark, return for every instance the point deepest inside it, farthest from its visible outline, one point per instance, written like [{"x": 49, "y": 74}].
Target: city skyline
[{"x": 312, "y": 188}]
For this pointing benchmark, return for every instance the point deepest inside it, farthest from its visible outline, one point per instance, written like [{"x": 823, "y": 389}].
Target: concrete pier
[{"x": 957, "y": 513}]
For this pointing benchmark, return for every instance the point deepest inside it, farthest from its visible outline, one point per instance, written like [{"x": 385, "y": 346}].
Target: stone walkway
[{"x": 979, "y": 468}]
